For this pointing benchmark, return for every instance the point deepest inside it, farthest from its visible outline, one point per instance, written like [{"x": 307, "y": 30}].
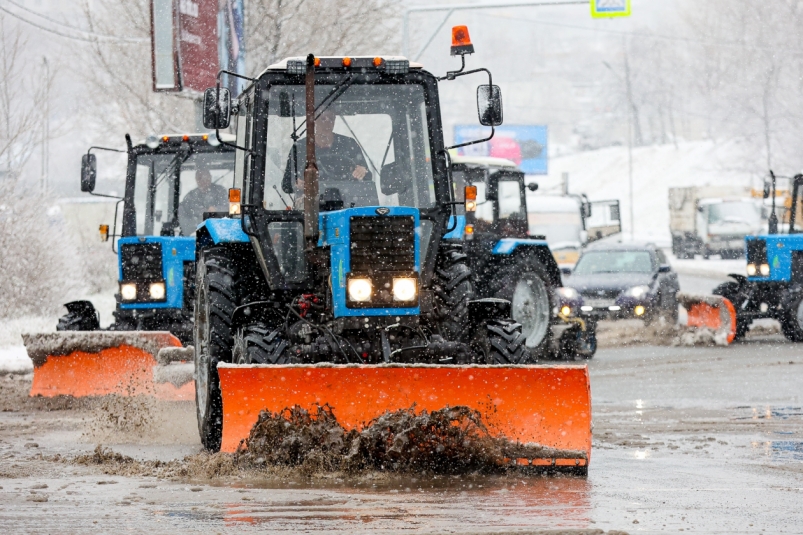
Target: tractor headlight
[
  {"x": 128, "y": 291},
  {"x": 405, "y": 289},
  {"x": 751, "y": 270},
  {"x": 567, "y": 293},
  {"x": 638, "y": 291},
  {"x": 157, "y": 290},
  {"x": 360, "y": 290},
  {"x": 764, "y": 269}
]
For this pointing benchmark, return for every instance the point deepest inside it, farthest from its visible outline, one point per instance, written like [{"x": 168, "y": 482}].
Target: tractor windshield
[
  {"x": 372, "y": 147},
  {"x": 173, "y": 190}
]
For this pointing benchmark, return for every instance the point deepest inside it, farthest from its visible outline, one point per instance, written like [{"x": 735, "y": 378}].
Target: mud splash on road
[{"x": 453, "y": 440}]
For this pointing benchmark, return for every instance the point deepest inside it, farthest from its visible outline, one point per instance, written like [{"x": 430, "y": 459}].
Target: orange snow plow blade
[
  {"x": 99, "y": 363},
  {"x": 540, "y": 405},
  {"x": 712, "y": 312}
]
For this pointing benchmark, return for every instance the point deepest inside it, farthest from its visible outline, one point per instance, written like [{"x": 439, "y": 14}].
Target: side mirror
[
  {"x": 89, "y": 172},
  {"x": 489, "y": 105},
  {"x": 390, "y": 179},
  {"x": 217, "y": 108},
  {"x": 767, "y": 191},
  {"x": 565, "y": 270},
  {"x": 532, "y": 186},
  {"x": 586, "y": 209},
  {"x": 664, "y": 268}
]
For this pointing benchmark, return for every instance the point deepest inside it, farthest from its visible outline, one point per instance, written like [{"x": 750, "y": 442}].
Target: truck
[{"x": 713, "y": 220}]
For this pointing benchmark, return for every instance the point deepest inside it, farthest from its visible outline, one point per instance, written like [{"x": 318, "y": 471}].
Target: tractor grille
[
  {"x": 382, "y": 244},
  {"x": 142, "y": 262}
]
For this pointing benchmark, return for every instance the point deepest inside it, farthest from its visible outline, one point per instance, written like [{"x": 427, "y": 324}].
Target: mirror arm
[
  {"x": 217, "y": 106},
  {"x": 101, "y": 194},
  {"x": 454, "y": 74}
]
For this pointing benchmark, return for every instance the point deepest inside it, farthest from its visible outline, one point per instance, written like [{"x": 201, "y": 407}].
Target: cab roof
[{"x": 483, "y": 161}]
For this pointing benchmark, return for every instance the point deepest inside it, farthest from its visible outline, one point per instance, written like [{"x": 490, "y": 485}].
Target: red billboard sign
[{"x": 198, "y": 43}]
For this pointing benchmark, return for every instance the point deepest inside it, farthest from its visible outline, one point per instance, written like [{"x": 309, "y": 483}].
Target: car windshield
[
  {"x": 372, "y": 146},
  {"x": 593, "y": 262},
  {"x": 734, "y": 212},
  {"x": 202, "y": 186}
]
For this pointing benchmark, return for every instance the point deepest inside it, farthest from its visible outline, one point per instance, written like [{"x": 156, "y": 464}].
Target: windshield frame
[{"x": 254, "y": 174}]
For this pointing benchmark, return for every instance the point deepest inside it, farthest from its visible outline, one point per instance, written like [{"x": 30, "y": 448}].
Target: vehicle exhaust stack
[{"x": 311, "y": 167}]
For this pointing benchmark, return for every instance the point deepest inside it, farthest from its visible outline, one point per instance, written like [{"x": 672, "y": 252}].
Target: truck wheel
[
  {"x": 505, "y": 344},
  {"x": 215, "y": 303},
  {"x": 453, "y": 290},
  {"x": 259, "y": 344},
  {"x": 587, "y": 341},
  {"x": 792, "y": 321},
  {"x": 525, "y": 284}
]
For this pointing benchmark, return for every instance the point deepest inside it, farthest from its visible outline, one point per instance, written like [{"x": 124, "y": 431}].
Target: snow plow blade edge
[
  {"x": 545, "y": 405},
  {"x": 98, "y": 363},
  {"x": 712, "y": 312}
]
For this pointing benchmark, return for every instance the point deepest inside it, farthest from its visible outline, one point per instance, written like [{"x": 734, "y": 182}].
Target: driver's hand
[{"x": 359, "y": 172}]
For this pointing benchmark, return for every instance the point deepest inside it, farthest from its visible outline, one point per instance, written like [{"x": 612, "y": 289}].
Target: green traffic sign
[{"x": 606, "y": 9}]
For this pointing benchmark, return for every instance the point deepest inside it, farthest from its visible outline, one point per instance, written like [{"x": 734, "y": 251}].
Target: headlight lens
[
  {"x": 405, "y": 289},
  {"x": 360, "y": 290},
  {"x": 157, "y": 290},
  {"x": 751, "y": 270},
  {"x": 639, "y": 310},
  {"x": 764, "y": 269},
  {"x": 128, "y": 291},
  {"x": 638, "y": 291},
  {"x": 565, "y": 310},
  {"x": 568, "y": 293}
]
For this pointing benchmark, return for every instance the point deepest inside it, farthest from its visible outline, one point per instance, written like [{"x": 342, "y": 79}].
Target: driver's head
[
  {"x": 325, "y": 123},
  {"x": 203, "y": 178}
]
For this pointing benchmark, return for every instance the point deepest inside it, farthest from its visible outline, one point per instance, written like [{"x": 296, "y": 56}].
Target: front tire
[
  {"x": 215, "y": 303},
  {"x": 505, "y": 344},
  {"x": 260, "y": 344},
  {"x": 453, "y": 289}
]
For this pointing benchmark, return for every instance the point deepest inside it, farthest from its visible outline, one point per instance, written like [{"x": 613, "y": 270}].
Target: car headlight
[
  {"x": 405, "y": 289},
  {"x": 568, "y": 293},
  {"x": 638, "y": 291},
  {"x": 128, "y": 291},
  {"x": 360, "y": 290},
  {"x": 764, "y": 269},
  {"x": 157, "y": 290},
  {"x": 751, "y": 270}
]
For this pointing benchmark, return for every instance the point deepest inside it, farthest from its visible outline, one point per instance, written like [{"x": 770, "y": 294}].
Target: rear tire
[
  {"x": 215, "y": 303},
  {"x": 525, "y": 283}
]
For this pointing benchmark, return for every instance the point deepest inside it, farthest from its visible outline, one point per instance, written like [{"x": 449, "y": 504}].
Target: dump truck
[
  {"x": 510, "y": 262},
  {"x": 155, "y": 251},
  {"x": 335, "y": 287},
  {"x": 713, "y": 220},
  {"x": 774, "y": 272}
]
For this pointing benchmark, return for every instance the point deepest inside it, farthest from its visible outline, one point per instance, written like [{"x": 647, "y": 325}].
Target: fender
[
  {"x": 509, "y": 246},
  {"x": 220, "y": 230}
]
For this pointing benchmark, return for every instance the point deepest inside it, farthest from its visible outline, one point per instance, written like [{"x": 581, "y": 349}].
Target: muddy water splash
[{"x": 452, "y": 440}]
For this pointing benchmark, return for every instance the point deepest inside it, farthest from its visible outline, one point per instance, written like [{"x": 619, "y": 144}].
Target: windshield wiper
[{"x": 333, "y": 95}]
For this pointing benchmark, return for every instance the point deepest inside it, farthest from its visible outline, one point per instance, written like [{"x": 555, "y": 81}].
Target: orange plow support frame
[
  {"x": 545, "y": 405},
  {"x": 710, "y": 312},
  {"x": 99, "y": 363}
]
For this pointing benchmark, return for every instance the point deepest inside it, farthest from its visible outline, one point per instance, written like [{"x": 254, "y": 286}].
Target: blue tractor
[
  {"x": 773, "y": 287},
  {"x": 511, "y": 264},
  {"x": 161, "y": 209}
]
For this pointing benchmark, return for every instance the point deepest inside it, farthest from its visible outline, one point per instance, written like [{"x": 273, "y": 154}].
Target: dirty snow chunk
[
  {"x": 169, "y": 355},
  {"x": 178, "y": 374},
  {"x": 15, "y": 360},
  {"x": 42, "y": 345}
]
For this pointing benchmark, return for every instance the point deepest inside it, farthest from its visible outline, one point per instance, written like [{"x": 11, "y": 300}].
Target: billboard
[
  {"x": 526, "y": 145},
  {"x": 184, "y": 44}
]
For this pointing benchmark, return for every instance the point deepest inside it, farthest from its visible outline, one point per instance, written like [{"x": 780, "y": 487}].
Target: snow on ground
[
  {"x": 15, "y": 360},
  {"x": 603, "y": 174}
]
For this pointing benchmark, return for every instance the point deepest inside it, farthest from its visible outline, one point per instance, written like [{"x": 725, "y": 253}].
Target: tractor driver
[
  {"x": 338, "y": 157},
  {"x": 207, "y": 197}
]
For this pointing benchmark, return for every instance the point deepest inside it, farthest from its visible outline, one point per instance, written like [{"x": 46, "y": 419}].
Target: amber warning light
[
  {"x": 471, "y": 198},
  {"x": 461, "y": 42}
]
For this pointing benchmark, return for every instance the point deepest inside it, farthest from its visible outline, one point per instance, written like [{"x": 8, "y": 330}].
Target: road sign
[
  {"x": 603, "y": 9},
  {"x": 526, "y": 145}
]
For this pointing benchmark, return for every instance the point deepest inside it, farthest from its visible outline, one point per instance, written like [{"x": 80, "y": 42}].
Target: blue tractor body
[{"x": 158, "y": 259}]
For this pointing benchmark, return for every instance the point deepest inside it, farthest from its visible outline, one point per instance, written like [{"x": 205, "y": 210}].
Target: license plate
[{"x": 599, "y": 303}]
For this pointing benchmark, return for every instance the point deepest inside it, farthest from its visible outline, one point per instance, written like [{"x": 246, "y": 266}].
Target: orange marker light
[
  {"x": 469, "y": 229},
  {"x": 317, "y": 62},
  {"x": 165, "y": 138},
  {"x": 186, "y": 137},
  {"x": 471, "y": 193},
  {"x": 234, "y": 195},
  {"x": 377, "y": 62},
  {"x": 205, "y": 137},
  {"x": 461, "y": 42},
  {"x": 347, "y": 62},
  {"x": 104, "y": 233}
]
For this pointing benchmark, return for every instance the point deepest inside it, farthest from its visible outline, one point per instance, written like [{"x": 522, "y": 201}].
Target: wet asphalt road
[{"x": 701, "y": 440}]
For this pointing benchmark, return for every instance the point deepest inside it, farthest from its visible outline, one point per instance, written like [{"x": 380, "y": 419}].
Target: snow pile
[
  {"x": 603, "y": 174},
  {"x": 15, "y": 360}
]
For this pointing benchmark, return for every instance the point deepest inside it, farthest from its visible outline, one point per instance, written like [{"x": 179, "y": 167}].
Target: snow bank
[{"x": 15, "y": 360}]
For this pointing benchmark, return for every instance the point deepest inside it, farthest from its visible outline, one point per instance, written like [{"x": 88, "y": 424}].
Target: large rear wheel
[
  {"x": 525, "y": 283},
  {"x": 215, "y": 303}
]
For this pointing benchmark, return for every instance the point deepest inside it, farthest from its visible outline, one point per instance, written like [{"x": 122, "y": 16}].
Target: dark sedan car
[{"x": 623, "y": 281}]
